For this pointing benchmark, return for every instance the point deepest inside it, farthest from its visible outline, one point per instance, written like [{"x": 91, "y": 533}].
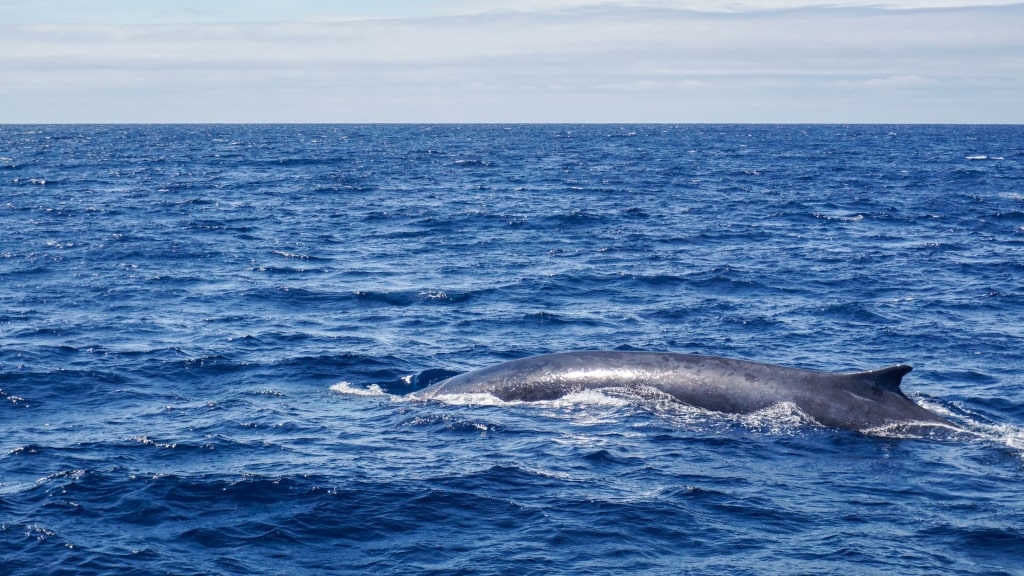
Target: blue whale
[{"x": 853, "y": 401}]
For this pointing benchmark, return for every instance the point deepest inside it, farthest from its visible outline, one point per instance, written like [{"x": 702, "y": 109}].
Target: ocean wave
[{"x": 212, "y": 337}]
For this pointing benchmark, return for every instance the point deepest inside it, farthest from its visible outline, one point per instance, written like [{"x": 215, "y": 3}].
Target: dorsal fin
[{"x": 887, "y": 378}]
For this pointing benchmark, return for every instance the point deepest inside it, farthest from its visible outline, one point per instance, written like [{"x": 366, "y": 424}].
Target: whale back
[{"x": 855, "y": 401}]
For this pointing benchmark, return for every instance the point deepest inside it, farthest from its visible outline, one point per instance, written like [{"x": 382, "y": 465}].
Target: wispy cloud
[
  {"x": 607, "y": 62},
  {"x": 732, "y": 6}
]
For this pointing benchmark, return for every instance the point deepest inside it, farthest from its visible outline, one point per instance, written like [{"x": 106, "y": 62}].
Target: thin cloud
[{"x": 607, "y": 63}]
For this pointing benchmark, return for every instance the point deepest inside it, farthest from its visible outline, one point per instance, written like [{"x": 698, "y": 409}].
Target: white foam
[
  {"x": 966, "y": 425},
  {"x": 604, "y": 397},
  {"x": 780, "y": 418},
  {"x": 1006, "y": 434},
  {"x": 933, "y": 407},
  {"x": 475, "y": 399},
  {"x": 1012, "y": 436},
  {"x": 913, "y": 429},
  {"x": 609, "y": 397},
  {"x": 348, "y": 388}
]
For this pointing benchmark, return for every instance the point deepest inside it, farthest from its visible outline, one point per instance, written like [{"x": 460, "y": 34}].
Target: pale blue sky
[{"x": 510, "y": 61}]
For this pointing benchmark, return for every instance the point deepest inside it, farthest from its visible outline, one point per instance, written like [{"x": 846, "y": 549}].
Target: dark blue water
[{"x": 206, "y": 333}]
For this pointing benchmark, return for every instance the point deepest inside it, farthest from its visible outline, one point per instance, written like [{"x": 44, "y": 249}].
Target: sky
[{"x": 562, "y": 61}]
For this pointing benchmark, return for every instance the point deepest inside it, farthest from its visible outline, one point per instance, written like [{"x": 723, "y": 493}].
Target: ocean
[{"x": 211, "y": 337}]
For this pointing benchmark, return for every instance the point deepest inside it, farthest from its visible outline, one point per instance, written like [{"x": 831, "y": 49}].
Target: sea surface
[{"x": 211, "y": 336}]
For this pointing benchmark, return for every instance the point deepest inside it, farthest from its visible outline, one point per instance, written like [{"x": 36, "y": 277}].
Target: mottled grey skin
[{"x": 856, "y": 401}]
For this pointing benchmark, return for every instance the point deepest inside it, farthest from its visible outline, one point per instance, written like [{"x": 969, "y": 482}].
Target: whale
[{"x": 857, "y": 401}]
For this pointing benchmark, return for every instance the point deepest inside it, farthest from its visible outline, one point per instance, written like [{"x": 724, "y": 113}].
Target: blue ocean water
[{"x": 208, "y": 335}]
